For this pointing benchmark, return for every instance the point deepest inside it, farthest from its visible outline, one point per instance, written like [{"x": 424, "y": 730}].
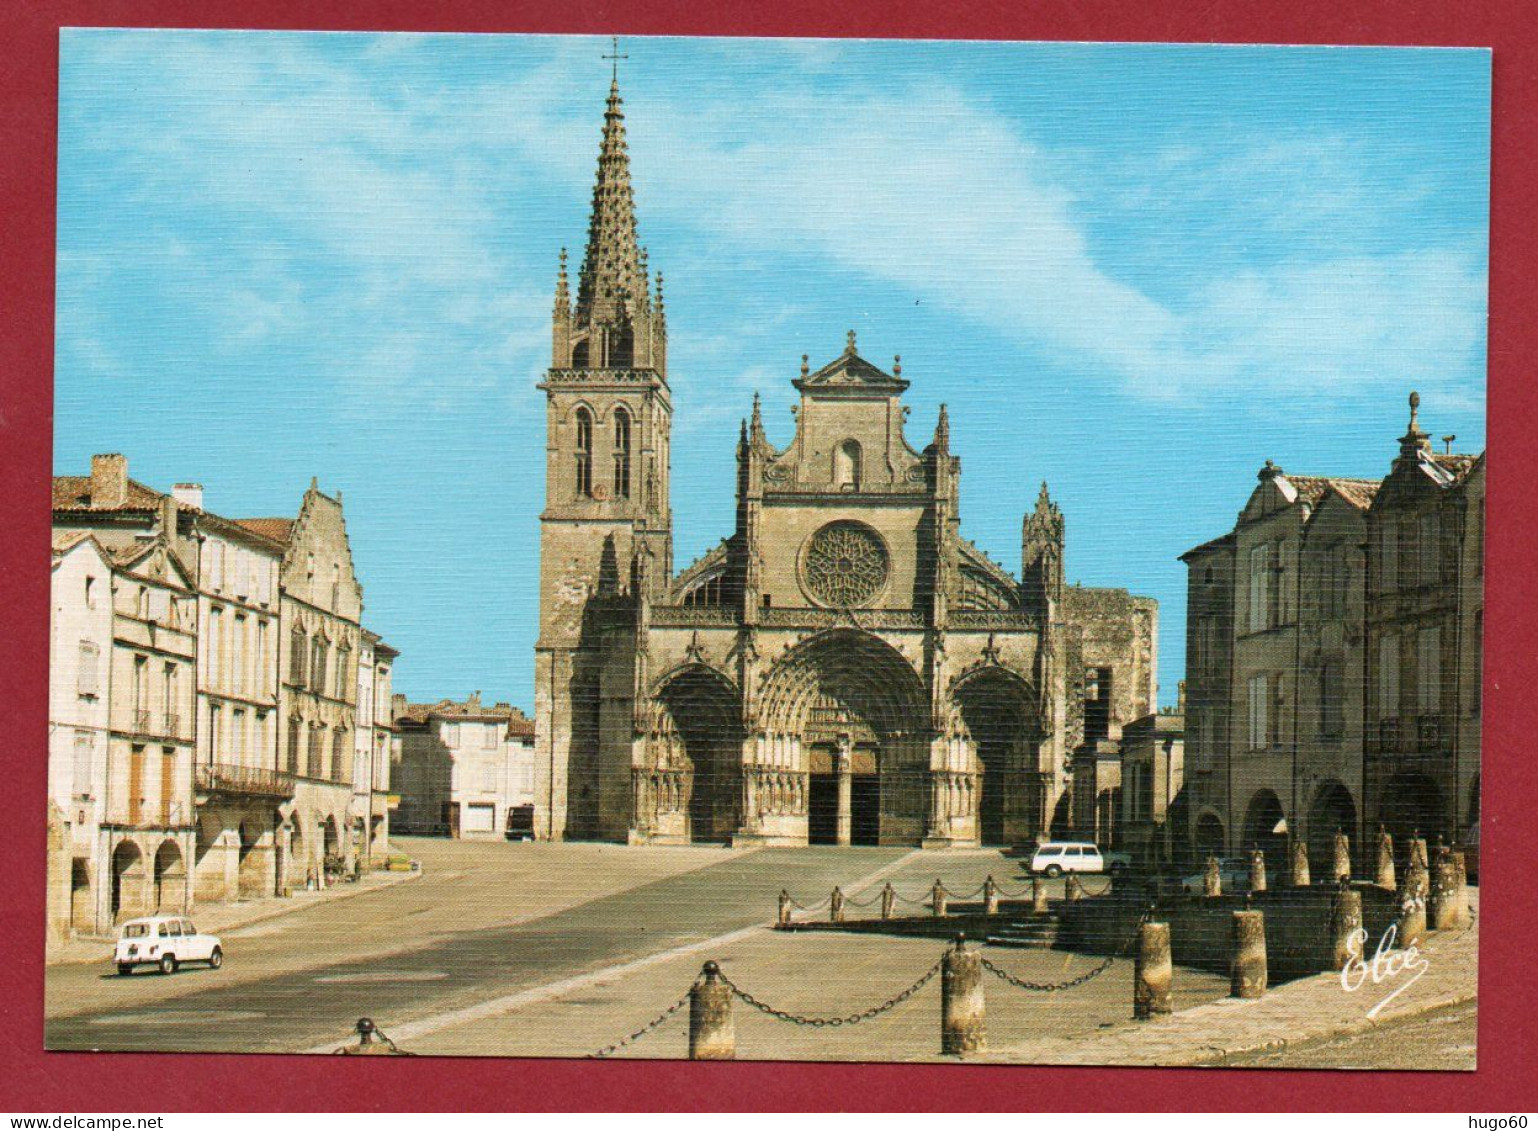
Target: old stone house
[
  {"x": 1333, "y": 642},
  {"x": 464, "y": 769}
]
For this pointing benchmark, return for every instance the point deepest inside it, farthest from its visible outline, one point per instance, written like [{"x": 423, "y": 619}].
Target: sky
[{"x": 1135, "y": 272}]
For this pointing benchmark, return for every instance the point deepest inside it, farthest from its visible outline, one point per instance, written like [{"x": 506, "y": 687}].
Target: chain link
[
  {"x": 609, "y": 1050},
  {"x": 833, "y": 1022},
  {"x": 1048, "y": 987}
]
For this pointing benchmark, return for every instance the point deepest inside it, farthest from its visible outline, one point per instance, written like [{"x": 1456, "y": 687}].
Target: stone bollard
[
  {"x": 1073, "y": 889},
  {"x": 1212, "y": 878},
  {"x": 1152, "y": 972},
  {"x": 1345, "y": 920},
  {"x": 937, "y": 898},
  {"x": 785, "y": 909},
  {"x": 1257, "y": 870},
  {"x": 1385, "y": 873},
  {"x": 1416, "y": 880},
  {"x": 1411, "y": 925},
  {"x": 1460, "y": 864},
  {"x": 1300, "y": 876},
  {"x": 1342, "y": 868},
  {"x": 1038, "y": 896},
  {"x": 836, "y": 906},
  {"x": 712, "y": 1032},
  {"x": 990, "y": 897},
  {"x": 888, "y": 901},
  {"x": 962, "y": 1007},
  {"x": 1442, "y": 906},
  {"x": 368, "y": 1045},
  {"x": 1248, "y": 968}
]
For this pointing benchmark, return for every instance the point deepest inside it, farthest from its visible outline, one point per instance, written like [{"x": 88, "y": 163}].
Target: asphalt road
[{"x": 440, "y": 943}]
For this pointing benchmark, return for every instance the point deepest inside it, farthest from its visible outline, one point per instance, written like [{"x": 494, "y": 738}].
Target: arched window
[
  {"x": 846, "y": 466},
  {"x": 622, "y": 348},
  {"x": 584, "y": 452},
  {"x": 621, "y": 454}
]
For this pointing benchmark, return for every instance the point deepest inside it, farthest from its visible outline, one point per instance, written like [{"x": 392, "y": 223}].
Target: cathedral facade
[{"x": 845, "y": 667}]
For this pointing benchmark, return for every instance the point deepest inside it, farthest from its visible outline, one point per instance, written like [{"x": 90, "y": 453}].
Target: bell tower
[{"x": 606, "y": 530}]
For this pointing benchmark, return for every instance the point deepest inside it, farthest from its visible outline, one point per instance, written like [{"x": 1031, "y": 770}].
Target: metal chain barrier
[
  {"x": 1048, "y": 987},
  {"x": 833, "y": 1022},
  {"x": 651, "y": 1026},
  {"x": 1072, "y": 983}
]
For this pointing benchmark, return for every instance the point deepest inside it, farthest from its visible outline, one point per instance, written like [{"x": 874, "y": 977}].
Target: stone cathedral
[{"x": 845, "y": 667}]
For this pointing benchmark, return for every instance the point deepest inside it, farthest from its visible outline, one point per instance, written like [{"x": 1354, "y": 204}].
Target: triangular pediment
[{"x": 852, "y": 373}]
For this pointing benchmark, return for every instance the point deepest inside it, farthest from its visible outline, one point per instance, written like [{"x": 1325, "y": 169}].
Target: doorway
[
  {"x": 865, "y": 809},
  {"x": 822, "y": 809}
]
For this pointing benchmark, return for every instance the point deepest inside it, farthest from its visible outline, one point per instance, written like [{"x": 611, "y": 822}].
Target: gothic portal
[{"x": 845, "y": 668}]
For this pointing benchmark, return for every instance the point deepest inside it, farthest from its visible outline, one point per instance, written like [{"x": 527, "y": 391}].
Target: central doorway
[
  {"x": 822, "y": 809},
  {"x": 865, "y": 809}
]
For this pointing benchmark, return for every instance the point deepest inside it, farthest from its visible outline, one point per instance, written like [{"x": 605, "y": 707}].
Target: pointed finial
[
  {"x": 1415, "y": 404},
  {"x": 943, "y": 429},
  {"x": 805, "y": 368},
  {"x": 1044, "y": 496},
  {"x": 897, "y": 365},
  {"x": 850, "y": 347}
]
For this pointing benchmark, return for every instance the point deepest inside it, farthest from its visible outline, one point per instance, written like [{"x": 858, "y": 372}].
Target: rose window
[{"x": 845, "y": 565}]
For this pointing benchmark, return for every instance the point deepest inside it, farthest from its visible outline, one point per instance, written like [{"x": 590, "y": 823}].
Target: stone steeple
[
  {"x": 611, "y": 281},
  {"x": 1041, "y": 554},
  {"x": 616, "y": 322}
]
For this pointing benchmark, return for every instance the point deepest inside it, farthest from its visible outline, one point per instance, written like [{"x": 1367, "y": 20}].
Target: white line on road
[{"x": 414, "y": 1030}]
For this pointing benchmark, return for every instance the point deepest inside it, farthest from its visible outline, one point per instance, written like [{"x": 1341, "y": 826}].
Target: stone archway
[
  {"x": 691, "y": 784},
  {"x": 1331, "y": 811},
  {"x": 995, "y": 711},
  {"x": 848, "y": 715},
  {"x": 127, "y": 889},
  {"x": 170, "y": 878},
  {"x": 1412, "y": 805},
  {"x": 1209, "y": 838},
  {"x": 1265, "y": 828}
]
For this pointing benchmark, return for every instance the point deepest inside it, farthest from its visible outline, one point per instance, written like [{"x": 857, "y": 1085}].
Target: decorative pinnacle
[
  {"x": 897, "y": 365},
  {"x": 850, "y": 347},
  {"x": 1415, "y": 404},
  {"x": 805, "y": 368}
]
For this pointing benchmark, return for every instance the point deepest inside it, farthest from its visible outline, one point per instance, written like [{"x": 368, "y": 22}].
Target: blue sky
[{"x": 1136, "y": 272}]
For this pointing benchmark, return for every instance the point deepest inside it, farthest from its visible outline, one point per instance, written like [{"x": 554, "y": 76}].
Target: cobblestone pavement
[{"x": 1440, "y": 1038}]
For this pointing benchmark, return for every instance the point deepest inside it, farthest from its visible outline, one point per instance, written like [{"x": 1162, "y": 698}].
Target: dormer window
[{"x": 846, "y": 466}]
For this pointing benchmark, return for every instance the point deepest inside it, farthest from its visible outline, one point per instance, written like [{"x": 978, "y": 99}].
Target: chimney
[
  {"x": 109, "y": 480},
  {"x": 474, "y": 702},
  {"x": 188, "y": 495},
  {"x": 168, "y": 516},
  {"x": 398, "y": 704}
]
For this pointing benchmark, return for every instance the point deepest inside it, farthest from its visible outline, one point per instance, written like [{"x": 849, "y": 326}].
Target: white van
[{"x": 1058, "y": 856}]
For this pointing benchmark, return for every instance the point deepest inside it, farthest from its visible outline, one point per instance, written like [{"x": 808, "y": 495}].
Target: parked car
[
  {"x": 1233, "y": 871},
  {"x": 520, "y": 822},
  {"x": 1058, "y": 856},
  {"x": 165, "y": 942}
]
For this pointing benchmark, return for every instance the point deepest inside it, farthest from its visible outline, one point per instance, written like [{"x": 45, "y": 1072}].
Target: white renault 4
[{"x": 164, "y": 941}]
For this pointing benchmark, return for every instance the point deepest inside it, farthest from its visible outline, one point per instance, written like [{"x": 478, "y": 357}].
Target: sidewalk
[
  {"x": 1303, "y": 1010},
  {"x": 217, "y": 918}
]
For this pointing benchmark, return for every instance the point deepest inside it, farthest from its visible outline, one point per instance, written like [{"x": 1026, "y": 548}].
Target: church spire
[{"x": 612, "y": 283}]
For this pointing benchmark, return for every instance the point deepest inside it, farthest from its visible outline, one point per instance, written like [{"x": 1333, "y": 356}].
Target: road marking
[
  {"x": 424, "y": 1026},
  {"x": 178, "y": 1017},
  {"x": 390, "y": 976}
]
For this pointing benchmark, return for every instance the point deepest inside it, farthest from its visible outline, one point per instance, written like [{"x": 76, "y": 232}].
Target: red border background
[{"x": 38, "y": 1081}]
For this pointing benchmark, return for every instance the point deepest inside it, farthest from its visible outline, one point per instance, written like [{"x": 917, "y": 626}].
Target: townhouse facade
[
  {"x": 166, "y": 756},
  {"x": 1333, "y": 642},
  {"x": 466, "y": 769}
]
